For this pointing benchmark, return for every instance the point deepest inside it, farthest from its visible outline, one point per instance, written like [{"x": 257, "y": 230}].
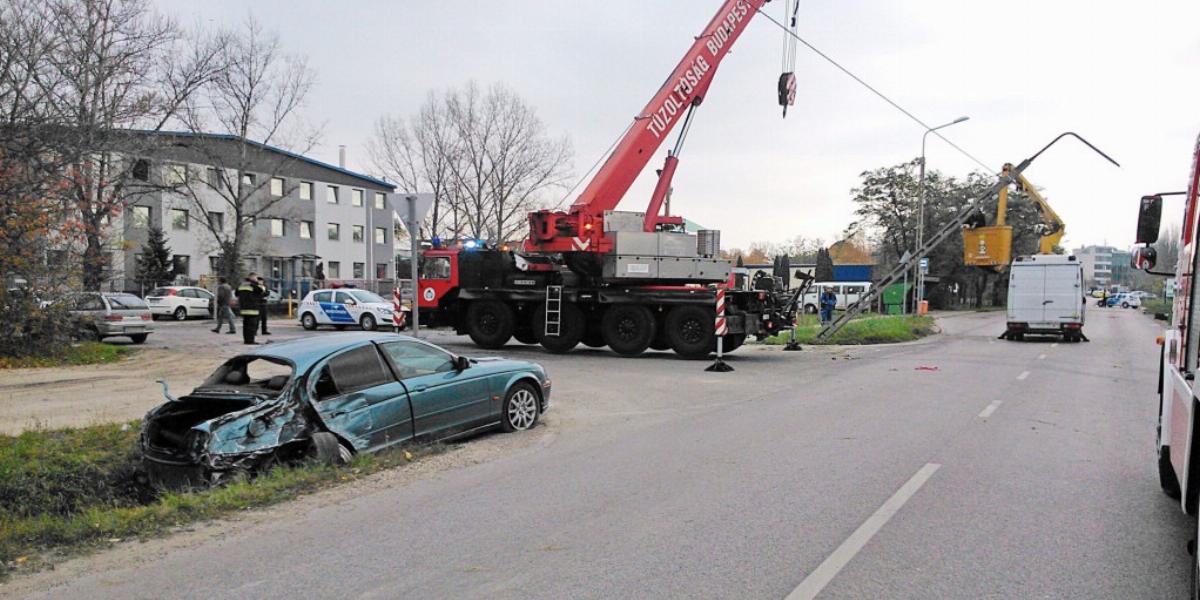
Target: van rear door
[
  {"x": 1026, "y": 288},
  {"x": 1062, "y": 297}
]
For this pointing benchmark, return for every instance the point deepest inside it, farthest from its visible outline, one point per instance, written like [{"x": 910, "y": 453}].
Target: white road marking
[
  {"x": 1023, "y": 375},
  {"x": 827, "y": 570},
  {"x": 1054, "y": 345},
  {"x": 991, "y": 408},
  {"x": 1041, "y": 357}
]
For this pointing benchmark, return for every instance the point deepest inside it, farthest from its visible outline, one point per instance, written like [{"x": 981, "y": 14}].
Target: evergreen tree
[
  {"x": 824, "y": 271},
  {"x": 155, "y": 267}
]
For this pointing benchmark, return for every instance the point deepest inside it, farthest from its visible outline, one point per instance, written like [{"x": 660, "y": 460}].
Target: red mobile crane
[{"x": 627, "y": 280}]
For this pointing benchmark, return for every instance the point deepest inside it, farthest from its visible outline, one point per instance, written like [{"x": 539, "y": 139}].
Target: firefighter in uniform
[{"x": 250, "y": 297}]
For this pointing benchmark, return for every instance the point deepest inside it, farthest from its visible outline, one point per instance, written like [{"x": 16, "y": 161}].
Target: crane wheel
[
  {"x": 691, "y": 332},
  {"x": 733, "y": 342},
  {"x": 490, "y": 323},
  {"x": 628, "y": 328},
  {"x": 593, "y": 337},
  {"x": 571, "y": 329}
]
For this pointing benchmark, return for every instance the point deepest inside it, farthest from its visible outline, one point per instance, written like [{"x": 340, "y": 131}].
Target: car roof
[{"x": 306, "y": 352}]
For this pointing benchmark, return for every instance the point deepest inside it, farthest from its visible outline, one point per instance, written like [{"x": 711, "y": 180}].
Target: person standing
[
  {"x": 262, "y": 315},
  {"x": 827, "y": 301},
  {"x": 250, "y": 299},
  {"x": 224, "y": 311}
]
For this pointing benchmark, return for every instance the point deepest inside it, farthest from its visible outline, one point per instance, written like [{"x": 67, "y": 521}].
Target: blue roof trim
[{"x": 300, "y": 157}]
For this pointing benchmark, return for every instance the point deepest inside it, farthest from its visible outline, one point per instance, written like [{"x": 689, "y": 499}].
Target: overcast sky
[{"x": 1124, "y": 75}]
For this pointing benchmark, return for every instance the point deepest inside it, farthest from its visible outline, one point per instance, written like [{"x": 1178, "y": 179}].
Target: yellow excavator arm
[{"x": 992, "y": 246}]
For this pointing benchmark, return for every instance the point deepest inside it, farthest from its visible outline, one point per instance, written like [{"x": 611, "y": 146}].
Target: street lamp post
[{"x": 920, "y": 277}]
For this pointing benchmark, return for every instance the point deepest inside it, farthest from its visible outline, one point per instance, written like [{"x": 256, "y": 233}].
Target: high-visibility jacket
[{"x": 249, "y": 297}]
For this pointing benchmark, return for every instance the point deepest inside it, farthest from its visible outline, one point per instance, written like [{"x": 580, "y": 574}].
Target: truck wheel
[
  {"x": 1166, "y": 474},
  {"x": 628, "y": 328},
  {"x": 489, "y": 323},
  {"x": 733, "y": 342},
  {"x": 593, "y": 337},
  {"x": 525, "y": 336},
  {"x": 690, "y": 331},
  {"x": 570, "y": 332}
]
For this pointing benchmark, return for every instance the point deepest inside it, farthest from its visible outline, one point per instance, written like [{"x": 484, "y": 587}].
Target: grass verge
[
  {"x": 83, "y": 353},
  {"x": 70, "y": 489},
  {"x": 867, "y": 330}
]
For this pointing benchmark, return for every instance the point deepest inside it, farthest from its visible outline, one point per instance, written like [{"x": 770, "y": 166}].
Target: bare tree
[
  {"x": 113, "y": 65},
  {"x": 253, "y": 102},
  {"x": 485, "y": 155}
]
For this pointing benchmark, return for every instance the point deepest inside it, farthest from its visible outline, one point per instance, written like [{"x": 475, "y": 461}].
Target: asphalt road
[{"x": 960, "y": 467}]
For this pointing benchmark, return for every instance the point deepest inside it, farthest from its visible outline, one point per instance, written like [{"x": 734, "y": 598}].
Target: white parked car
[
  {"x": 180, "y": 302},
  {"x": 1130, "y": 301},
  {"x": 345, "y": 307}
]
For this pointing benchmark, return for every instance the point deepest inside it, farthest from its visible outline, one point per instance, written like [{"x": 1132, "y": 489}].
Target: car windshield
[
  {"x": 252, "y": 374},
  {"x": 365, "y": 296},
  {"x": 126, "y": 302}
]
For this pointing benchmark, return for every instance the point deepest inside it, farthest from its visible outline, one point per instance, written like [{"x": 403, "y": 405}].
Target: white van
[
  {"x": 847, "y": 292},
  {"x": 1045, "y": 296}
]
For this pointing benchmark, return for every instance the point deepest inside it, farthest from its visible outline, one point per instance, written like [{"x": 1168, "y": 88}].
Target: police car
[{"x": 346, "y": 307}]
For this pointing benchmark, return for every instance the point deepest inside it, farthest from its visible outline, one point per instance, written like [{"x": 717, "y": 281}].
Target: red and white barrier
[
  {"x": 722, "y": 328},
  {"x": 397, "y": 310}
]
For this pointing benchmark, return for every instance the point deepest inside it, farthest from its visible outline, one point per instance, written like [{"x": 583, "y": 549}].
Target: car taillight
[
  {"x": 171, "y": 292},
  {"x": 146, "y": 316},
  {"x": 1071, "y": 325},
  {"x": 112, "y": 317}
]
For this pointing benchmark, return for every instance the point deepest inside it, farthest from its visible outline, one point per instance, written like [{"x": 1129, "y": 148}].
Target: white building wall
[{"x": 344, "y": 250}]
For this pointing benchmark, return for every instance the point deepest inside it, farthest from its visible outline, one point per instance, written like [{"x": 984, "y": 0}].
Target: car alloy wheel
[
  {"x": 368, "y": 323},
  {"x": 180, "y": 314},
  {"x": 308, "y": 321},
  {"x": 520, "y": 409}
]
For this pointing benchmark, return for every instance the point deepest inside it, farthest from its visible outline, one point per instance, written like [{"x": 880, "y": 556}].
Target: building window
[
  {"x": 331, "y": 194},
  {"x": 179, "y": 219},
  {"x": 380, "y": 235},
  {"x": 278, "y": 228},
  {"x": 381, "y": 271},
  {"x": 357, "y": 233},
  {"x": 175, "y": 174},
  {"x": 140, "y": 216},
  {"x": 380, "y": 201},
  {"x": 358, "y": 270},
  {"x": 248, "y": 179},
  {"x": 277, "y": 186},
  {"x": 213, "y": 177},
  {"x": 306, "y": 190},
  {"x": 306, "y": 268},
  {"x": 335, "y": 269},
  {"x": 216, "y": 221},
  {"x": 333, "y": 231},
  {"x": 306, "y": 228},
  {"x": 356, "y": 197},
  {"x": 181, "y": 265},
  {"x": 141, "y": 170}
]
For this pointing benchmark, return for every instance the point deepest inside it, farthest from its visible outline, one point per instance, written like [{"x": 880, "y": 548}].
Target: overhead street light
[{"x": 920, "y": 277}]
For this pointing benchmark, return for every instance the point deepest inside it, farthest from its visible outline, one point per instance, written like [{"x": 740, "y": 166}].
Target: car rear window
[
  {"x": 160, "y": 292},
  {"x": 257, "y": 374},
  {"x": 358, "y": 369},
  {"x": 126, "y": 303}
]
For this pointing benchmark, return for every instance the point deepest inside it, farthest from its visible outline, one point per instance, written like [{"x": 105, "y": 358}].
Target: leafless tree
[
  {"x": 112, "y": 65},
  {"x": 485, "y": 155},
  {"x": 253, "y": 102}
]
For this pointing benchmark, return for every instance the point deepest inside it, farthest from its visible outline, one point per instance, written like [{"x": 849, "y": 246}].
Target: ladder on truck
[
  {"x": 553, "y": 310},
  {"x": 908, "y": 262}
]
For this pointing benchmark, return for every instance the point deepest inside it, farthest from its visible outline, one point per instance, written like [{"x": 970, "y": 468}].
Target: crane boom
[
  {"x": 581, "y": 227},
  {"x": 1052, "y": 227}
]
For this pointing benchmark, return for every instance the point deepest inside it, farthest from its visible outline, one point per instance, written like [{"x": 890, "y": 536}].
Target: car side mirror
[
  {"x": 1149, "y": 219},
  {"x": 1144, "y": 258},
  {"x": 461, "y": 363}
]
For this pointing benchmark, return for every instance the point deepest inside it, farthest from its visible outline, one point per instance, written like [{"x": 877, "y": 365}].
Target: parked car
[
  {"x": 180, "y": 302},
  {"x": 99, "y": 315},
  {"x": 1143, "y": 295},
  {"x": 329, "y": 398},
  {"x": 1129, "y": 301},
  {"x": 344, "y": 307}
]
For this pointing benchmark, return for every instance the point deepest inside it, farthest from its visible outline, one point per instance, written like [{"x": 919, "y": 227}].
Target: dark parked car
[
  {"x": 328, "y": 398},
  {"x": 100, "y": 315}
]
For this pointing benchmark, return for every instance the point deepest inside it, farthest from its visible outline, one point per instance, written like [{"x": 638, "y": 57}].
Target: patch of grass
[
  {"x": 83, "y": 353},
  {"x": 71, "y": 488},
  {"x": 867, "y": 330},
  {"x": 1157, "y": 308}
]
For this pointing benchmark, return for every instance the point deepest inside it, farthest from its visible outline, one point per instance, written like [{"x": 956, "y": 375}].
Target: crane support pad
[{"x": 987, "y": 246}]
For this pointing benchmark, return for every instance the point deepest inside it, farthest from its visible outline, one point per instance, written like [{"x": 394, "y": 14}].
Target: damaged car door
[
  {"x": 445, "y": 398},
  {"x": 359, "y": 399}
]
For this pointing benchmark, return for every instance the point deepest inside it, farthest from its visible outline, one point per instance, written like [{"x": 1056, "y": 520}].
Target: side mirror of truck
[
  {"x": 1144, "y": 258},
  {"x": 1149, "y": 219}
]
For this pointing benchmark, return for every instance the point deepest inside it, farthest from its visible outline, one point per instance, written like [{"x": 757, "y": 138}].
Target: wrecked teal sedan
[{"x": 328, "y": 398}]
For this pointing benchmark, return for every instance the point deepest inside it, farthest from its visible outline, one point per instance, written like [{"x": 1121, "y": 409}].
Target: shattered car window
[
  {"x": 252, "y": 374},
  {"x": 356, "y": 369}
]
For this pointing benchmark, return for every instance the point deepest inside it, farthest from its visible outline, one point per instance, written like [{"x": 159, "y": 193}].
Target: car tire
[
  {"x": 691, "y": 332},
  {"x": 810, "y": 309},
  {"x": 324, "y": 448},
  {"x": 571, "y": 332},
  {"x": 1166, "y": 475},
  {"x": 308, "y": 321},
  {"x": 368, "y": 323},
  {"x": 521, "y": 408},
  {"x": 490, "y": 323},
  {"x": 180, "y": 314},
  {"x": 628, "y": 328},
  {"x": 139, "y": 338},
  {"x": 1124, "y": 305}
]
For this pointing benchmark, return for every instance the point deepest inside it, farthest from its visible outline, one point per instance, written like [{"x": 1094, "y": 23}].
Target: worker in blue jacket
[{"x": 828, "y": 300}]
